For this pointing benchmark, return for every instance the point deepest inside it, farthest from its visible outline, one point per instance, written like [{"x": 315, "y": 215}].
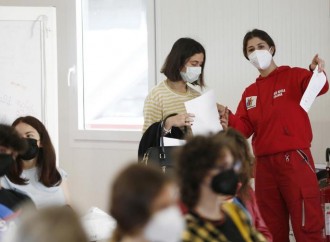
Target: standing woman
[
  {"x": 286, "y": 184},
  {"x": 185, "y": 63},
  {"x": 34, "y": 173}
]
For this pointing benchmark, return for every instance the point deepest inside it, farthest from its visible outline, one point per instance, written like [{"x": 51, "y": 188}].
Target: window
[{"x": 114, "y": 64}]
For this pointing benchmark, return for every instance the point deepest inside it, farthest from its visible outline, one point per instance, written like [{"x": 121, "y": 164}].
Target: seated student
[
  {"x": 34, "y": 172},
  {"x": 51, "y": 224},
  {"x": 207, "y": 175},
  {"x": 10, "y": 201},
  {"x": 245, "y": 197},
  {"x": 143, "y": 204}
]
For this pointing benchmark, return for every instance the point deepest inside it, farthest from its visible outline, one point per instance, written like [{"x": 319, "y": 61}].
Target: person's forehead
[
  {"x": 197, "y": 57},
  {"x": 226, "y": 157},
  {"x": 25, "y": 128},
  {"x": 255, "y": 41}
]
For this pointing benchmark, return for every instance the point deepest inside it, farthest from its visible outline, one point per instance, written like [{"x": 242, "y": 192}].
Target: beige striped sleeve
[{"x": 152, "y": 112}]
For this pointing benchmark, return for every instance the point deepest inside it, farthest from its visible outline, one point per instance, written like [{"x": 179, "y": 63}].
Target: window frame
[{"x": 75, "y": 82}]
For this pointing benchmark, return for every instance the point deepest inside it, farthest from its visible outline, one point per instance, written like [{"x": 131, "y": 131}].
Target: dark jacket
[{"x": 151, "y": 137}]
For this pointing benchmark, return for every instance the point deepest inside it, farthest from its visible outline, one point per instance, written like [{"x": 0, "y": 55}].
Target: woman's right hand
[{"x": 179, "y": 120}]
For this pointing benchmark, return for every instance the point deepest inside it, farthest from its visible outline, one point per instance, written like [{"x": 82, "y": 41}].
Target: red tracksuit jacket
[{"x": 270, "y": 110}]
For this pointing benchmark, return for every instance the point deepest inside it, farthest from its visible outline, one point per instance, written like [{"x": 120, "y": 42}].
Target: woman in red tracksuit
[{"x": 286, "y": 183}]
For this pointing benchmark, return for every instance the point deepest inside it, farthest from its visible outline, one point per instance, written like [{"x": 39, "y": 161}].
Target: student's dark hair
[
  {"x": 9, "y": 138},
  {"x": 194, "y": 160},
  {"x": 46, "y": 161},
  {"x": 132, "y": 195},
  {"x": 182, "y": 50},
  {"x": 239, "y": 142},
  {"x": 259, "y": 34}
]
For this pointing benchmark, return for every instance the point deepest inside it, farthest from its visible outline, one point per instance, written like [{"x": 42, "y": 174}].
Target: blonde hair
[{"x": 51, "y": 224}]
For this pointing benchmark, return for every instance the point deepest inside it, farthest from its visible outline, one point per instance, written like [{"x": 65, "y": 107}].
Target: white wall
[
  {"x": 90, "y": 169},
  {"x": 300, "y": 29}
]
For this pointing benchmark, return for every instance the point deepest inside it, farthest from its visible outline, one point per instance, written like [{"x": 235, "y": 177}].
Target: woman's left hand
[{"x": 317, "y": 61}]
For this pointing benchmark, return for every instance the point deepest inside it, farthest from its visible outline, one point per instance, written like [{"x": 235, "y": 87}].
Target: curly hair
[
  {"x": 194, "y": 161},
  {"x": 239, "y": 142}
]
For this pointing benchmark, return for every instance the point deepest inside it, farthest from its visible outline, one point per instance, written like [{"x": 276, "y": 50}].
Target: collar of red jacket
[{"x": 273, "y": 73}]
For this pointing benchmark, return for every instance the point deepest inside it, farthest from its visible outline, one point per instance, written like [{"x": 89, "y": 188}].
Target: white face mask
[
  {"x": 261, "y": 59},
  {"x": 166, "y": 225},
  {"x": 192, "y": 73}
]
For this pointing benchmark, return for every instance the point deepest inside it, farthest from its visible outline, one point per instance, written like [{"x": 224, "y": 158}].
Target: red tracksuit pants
[{"x": 286, "y": 186}]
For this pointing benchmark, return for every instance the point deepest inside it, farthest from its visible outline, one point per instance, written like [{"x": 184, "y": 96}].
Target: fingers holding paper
[
  {"x": 180, "y": 120},
  {"x": 224, "y": 118},
  {"x": 188, "y": 119},
  {"x": 317, "y": 61},
  {"x": 220, "y": 108}
]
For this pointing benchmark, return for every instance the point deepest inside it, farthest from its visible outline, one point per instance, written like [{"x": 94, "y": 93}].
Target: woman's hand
[
  {"x": 224, "y": 118},
  {"x": 179, "y": 120},
  {"x": 317, "y": 61},
  {"x": 223, "y": 115},
  {"x": 220, "y": 108}
]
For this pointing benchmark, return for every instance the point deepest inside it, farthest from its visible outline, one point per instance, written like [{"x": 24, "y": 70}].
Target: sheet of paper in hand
[
  {"x": 314, "y": 87},
  {"x": 206, "y": 118}
]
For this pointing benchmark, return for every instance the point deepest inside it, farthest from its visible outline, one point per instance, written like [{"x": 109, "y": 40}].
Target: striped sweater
[
  {"x": 202, "y": 230},
  {"x": 163, "y": 101}
]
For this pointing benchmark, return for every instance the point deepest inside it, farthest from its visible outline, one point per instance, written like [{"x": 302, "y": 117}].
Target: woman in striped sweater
[{"x": 185, "y": 63}]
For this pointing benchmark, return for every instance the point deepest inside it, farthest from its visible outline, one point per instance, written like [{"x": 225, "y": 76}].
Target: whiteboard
[
  {"x": 28, "y": 66},
  {"x": 21, "y": 70}
]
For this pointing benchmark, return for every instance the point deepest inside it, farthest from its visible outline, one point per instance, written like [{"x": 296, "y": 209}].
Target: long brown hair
[{"x": 46, "y": 161}]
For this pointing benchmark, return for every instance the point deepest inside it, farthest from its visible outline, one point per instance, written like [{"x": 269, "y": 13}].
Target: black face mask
[
  {"x": 32, "y": 150},
  {"x": 225, "y": 183},
  {"x": 5, "y": 161}
]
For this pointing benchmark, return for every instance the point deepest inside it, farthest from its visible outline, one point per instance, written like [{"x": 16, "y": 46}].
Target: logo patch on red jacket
[
  {"x": 279, "y": 93},
  {"x": 251, "y": 102}
]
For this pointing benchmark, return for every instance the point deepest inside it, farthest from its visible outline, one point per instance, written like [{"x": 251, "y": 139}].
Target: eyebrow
[
  {"x": 261, "y": 43},
  {"x": 196, "y": 61}
]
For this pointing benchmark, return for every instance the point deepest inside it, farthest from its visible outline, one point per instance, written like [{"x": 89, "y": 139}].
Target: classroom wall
[
  {"x": 300, "y": 29},
  {"x": 91, "y": 165}
]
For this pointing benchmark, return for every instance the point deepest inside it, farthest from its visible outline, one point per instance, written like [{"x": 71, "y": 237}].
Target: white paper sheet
[
  {"x": 314, "y": 87},
  {"x": 206, "y": 118},
  {"x": 173, "y": 142}
]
